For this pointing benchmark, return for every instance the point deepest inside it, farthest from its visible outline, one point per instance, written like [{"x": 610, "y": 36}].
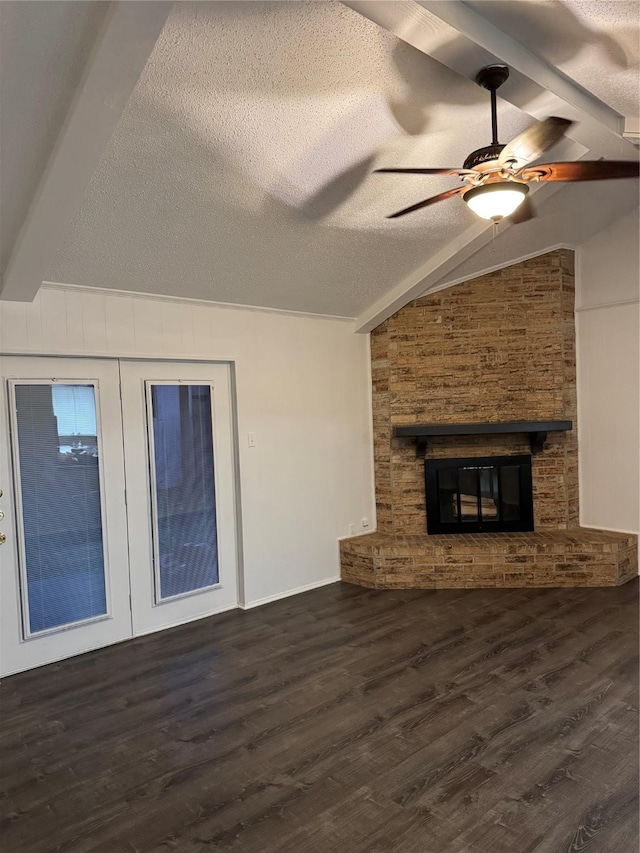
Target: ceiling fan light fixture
[{"x": 496, "y": 200}]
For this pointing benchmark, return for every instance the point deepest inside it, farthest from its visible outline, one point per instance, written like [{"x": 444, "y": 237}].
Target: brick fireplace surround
[{"x": 498, "y": 348}]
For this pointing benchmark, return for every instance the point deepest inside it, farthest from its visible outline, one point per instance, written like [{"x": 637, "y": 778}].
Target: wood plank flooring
[{"x": 338, "y": 721}]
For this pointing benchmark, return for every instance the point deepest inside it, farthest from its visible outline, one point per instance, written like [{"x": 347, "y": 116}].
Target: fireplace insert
[{"x": 487, "y": 494}]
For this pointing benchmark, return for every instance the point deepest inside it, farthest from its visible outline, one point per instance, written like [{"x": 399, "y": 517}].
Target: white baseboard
[
  {"x": 289, "y": 592},
  {"x": 609, "y": 529},
  {"x": 357, "y": 535}
]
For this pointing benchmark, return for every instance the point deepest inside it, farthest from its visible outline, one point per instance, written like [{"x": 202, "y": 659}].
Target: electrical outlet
[
  {"x": 365, "y": 523},
  {"x": 352, "y": 529}
]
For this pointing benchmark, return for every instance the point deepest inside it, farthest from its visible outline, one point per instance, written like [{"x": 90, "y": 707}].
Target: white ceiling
[{"x": 240, "y": 170}]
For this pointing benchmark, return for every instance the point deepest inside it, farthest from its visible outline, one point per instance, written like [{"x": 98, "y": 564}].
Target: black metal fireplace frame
[{"x": 499, "y": 525}]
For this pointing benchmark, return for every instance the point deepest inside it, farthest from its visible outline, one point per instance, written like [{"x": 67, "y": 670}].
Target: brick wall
[{"x": 500, "y": 347}]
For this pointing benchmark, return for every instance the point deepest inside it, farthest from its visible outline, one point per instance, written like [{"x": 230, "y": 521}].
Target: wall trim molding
[
  {"x": 112, "y": 356},
  {"x": 609, "y": 529},
  {"x": 373, "y": 521},
  {"x": 359, "y": 535},
  {"x": 231, "y": 306},
  {"x": 288, "y": 593},
  {"x": 621, "y": 303}
]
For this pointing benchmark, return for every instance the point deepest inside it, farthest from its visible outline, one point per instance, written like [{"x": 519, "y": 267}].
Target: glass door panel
[
  {"x": 64, "y": 577},
  {"x": 510, "y": 490},
  {"x": 489, "y": 493},
  {"x": 468, "y": 485},
  {"x": 56, "y": 446},
  {"x": 180, "y": 486},
  {"x": 183, "y": 498}
]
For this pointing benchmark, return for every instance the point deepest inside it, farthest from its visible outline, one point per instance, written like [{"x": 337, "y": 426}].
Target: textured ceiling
[
  {"x": 241, "y": 168},
  {"x": 595, "y": 42}
]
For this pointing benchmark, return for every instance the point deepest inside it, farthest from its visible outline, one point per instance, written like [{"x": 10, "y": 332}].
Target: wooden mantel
[{"x": 537, "y": 431}]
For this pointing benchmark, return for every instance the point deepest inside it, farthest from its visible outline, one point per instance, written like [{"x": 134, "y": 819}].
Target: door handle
[{"x": 3, "y": 538}]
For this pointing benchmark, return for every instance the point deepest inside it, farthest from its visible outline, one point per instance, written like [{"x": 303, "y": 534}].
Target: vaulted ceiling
[{"x": 224, "y": 151}]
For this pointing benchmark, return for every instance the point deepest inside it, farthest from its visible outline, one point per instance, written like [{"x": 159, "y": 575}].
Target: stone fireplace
[
  {"x": 480, "y": 494},
  {"x": 497, "y": 350}
]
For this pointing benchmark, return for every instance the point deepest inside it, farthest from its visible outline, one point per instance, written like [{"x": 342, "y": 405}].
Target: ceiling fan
[{"x": 497, "y": 176}]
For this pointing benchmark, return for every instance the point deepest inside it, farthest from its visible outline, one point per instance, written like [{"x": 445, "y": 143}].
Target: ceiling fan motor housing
[{"x": 482, "y": 155}]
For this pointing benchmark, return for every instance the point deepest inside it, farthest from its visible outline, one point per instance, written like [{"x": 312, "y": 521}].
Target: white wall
[
  {"x": 608, "y": 340},
  {"x": 302, "y": 385}
]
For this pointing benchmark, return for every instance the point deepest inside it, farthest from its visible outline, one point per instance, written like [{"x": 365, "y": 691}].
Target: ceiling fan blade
[
  {"x": 534, "y": 141},
  {"x": 581, "y": 170},
  {"x": 428, "y": 201},
  {"x": 523, "y": 213},
  {"x": 428, "y": 171}
]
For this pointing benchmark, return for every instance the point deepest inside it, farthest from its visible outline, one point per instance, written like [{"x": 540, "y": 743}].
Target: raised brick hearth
[
  {"x": 551, "y": 558},
  {"x": 498, "y": 348}
]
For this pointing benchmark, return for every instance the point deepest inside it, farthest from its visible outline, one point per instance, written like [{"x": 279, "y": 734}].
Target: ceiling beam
[
  {"x": 535, "y": 86},
  {"x": 455, "y": 35},
  {"x": 420, "y": 279},
  {"x": 460, "y": 38},
  {"x": 119, "y": 56}
]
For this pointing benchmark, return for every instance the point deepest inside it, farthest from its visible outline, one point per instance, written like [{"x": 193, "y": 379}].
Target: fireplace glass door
[{"x": 479, "y": 495}]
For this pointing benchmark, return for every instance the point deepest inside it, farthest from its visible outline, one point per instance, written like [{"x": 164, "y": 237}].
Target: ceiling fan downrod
[{"x": 490, "y": 78}]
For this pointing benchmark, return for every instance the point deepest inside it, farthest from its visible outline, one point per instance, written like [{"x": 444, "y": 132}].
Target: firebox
[{"x": 487, "y": 494}]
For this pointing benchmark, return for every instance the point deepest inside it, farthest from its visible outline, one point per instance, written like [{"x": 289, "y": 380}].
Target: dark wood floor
[{"x": 342, "y": 720}]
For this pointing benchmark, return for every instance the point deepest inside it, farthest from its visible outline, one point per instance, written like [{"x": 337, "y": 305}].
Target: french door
[
  {"x": 180, "y": 494},
  {"x": 117, "y": 510},
  {"x": 64, "y": 565}
]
